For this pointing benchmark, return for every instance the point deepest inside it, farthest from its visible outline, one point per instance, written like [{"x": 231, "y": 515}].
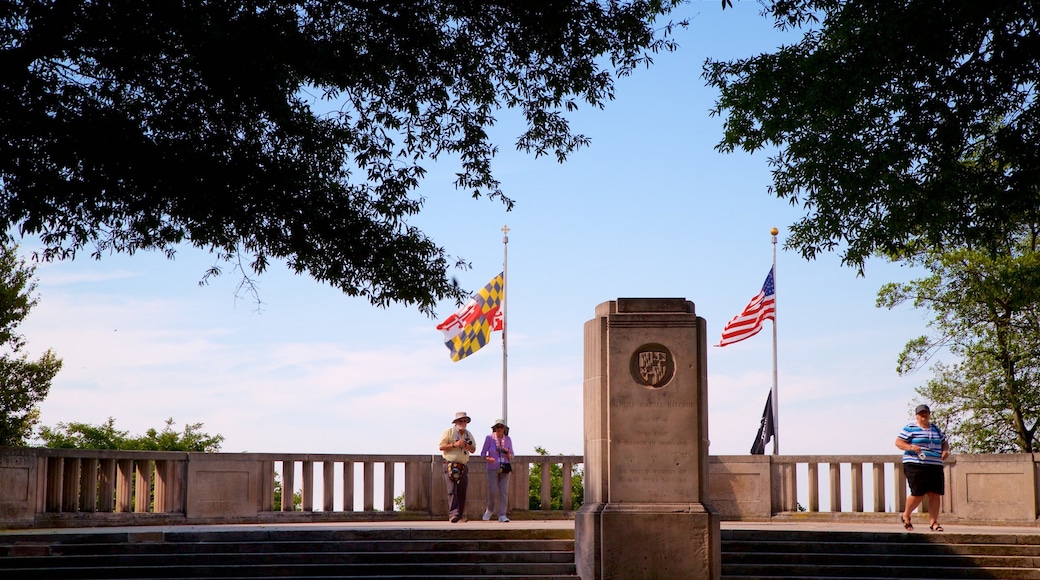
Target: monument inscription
[{"x": 652, "y": 419}]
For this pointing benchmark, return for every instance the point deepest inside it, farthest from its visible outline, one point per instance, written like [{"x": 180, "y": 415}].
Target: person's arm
[
  {"x": 446, "y": 443},
  {"x": 906, "y": 446},
  {"x": 485, "y": 452}
]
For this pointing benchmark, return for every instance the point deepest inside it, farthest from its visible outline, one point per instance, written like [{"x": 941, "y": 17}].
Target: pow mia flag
[{"x": 766, "y": 430}]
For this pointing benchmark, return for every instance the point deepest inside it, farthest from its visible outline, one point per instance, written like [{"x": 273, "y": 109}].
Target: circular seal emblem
[{"x": 652, "y": 365}]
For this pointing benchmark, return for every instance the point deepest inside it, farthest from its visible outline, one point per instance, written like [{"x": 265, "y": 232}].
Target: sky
[{"x": 649, "y": 209}]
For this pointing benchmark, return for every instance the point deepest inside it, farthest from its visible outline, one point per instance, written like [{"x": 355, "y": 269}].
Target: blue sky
[{"x": 650, "y": 209}]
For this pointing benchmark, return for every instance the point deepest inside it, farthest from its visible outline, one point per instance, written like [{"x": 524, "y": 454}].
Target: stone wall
[
  {"x": 64, "y": 487},
  {"x": 980, "y": 489}
]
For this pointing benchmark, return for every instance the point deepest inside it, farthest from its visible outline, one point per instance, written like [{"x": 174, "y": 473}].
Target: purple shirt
[{"x": 491, "y": 450}]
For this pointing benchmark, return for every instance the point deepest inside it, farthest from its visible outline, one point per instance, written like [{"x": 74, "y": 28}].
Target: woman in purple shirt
[{"x": 498, "y": 452}]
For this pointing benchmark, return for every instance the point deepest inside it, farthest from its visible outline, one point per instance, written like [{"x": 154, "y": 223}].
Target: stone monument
[{"x": 646, "y": 445}]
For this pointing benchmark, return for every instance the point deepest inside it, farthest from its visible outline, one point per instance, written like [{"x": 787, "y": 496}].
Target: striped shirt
[{"x": 930, "y": 441}]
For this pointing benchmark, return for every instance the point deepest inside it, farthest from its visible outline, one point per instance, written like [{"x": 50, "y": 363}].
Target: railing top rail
[
  {"x": 837, "y": 458},
  {"x": 317, "y": 457},
  {"x": 822, "y": 459},
  {"x": 352, "y": 457},
  {"x": 549, "y": 458},
  {"x": 402, "y": 458},
  {"x": 97, "y": 453}
]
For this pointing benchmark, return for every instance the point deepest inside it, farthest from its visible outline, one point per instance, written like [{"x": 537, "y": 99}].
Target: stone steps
[
  {"x": 795, "y": 554},
  {"x": 458, "y": 553},
  {"x": 509, "y": 554}
]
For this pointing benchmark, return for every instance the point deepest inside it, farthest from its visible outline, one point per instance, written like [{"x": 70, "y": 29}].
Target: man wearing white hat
[{"x": 456, "y": 444}]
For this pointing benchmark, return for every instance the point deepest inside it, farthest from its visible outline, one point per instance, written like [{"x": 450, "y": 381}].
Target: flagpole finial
[{"x": 774, "y": 231}]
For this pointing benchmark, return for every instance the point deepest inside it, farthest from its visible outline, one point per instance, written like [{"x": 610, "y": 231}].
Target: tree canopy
[
  {"x": 24, "y": 382},
  {"x": 985, "y": 307},
  {"x": 869, "y": 117},
  {"x": 293, "y": 131}
]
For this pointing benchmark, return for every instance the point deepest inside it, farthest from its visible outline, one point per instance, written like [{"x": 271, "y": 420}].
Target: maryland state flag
[{"x": 470, "y": 327}]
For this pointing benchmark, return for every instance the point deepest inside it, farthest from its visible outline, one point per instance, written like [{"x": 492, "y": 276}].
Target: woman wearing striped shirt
[{"x": 924, "y": 449}]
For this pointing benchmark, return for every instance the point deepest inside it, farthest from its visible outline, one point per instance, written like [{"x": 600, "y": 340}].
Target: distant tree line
[{"x": 105, "y": 436}]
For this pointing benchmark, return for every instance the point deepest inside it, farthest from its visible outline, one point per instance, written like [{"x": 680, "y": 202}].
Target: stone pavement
[
  {"x": 920, "y": 526},
  {"x": 895, "y": 527}
]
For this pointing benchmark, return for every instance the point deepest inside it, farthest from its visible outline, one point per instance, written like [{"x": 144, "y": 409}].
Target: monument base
[{"x": 647, "y": 541}]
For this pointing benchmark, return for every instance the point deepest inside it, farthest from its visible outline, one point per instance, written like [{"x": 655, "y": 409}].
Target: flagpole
[
  {"x": 776, "y": 405},
  {"x": 505, "y": 327}
]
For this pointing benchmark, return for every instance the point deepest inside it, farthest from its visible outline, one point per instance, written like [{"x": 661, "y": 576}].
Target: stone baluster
[
  {"x": 143, "y": 487},
  {"x": 388, "y": 486},
  {"x": 267, "y": 486},
  {"x": 835, "y": 485},
  {"x": 308, "y": 486},
  {"x": 107, "y": 485},
  {"x": 124, "y": 487},
  {"x": 88, "y": 485},
  {"x": 348, "y": 486},
  {"x": 328, "y": 488},
  {"x": 568, "y": 502},
  {"x": 546, "y": 485},
  {"x": 879, "y": 487},
  {"x": 900, "y": 486},
  {"x": 70, "y": 485},
  {"x": 814, "y": 487},
  {"x": 416, "y": 486},
  {"x": 161, "y": 502},
  {"x": 790, "y": 479},
  {"x": 288, "y": 484},
  {"x": 55, "y": 480},
  {"x": 41, "y": 486},
  {"x": 369, "y": 501},
  {"x": 176, "y": 487},
  {"x": 857, "y": 487}
]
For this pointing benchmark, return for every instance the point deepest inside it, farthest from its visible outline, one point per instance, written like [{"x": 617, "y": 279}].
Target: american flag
[{"x": 749, "y": 322}]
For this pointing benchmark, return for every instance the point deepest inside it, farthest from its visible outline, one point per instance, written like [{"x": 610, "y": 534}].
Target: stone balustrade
[
  {"x": 980, "y": 489},
  {"x": 65, "y": 487},
  {"x": 68, "y": 487}
]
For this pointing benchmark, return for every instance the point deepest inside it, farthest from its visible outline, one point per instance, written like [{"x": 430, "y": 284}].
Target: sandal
[
  {"x": 906, "y": 523},
  {"x": 936, "y": 527}
]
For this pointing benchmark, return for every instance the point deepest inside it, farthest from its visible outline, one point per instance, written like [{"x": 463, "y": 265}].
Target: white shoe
[
  {"x": 503, "y": 519},
  {"x": 487, "y": 515}
]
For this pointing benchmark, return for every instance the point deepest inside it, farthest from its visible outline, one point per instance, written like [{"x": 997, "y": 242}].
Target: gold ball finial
[{"x": 774, "y": 231}]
